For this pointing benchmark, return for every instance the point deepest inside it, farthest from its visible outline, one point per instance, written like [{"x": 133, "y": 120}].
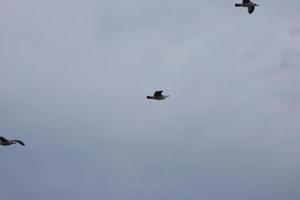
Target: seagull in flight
[
  {"x": 248, "y": 4},
  {"x": 6, "y": 142},
  {"x": 158, "y": 95}
]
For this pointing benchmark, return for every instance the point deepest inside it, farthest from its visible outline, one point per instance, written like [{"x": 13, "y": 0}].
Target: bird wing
[
  {"x": 2, "y": 139},
  {"x": 251, "y": 9},
  {"x": 158, "y": 93},
  {"x": 20, "y": 142},
  {"x": 246, "y": 1}
]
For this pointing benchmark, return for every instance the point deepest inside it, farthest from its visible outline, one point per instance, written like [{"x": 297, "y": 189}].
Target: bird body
[
  {"x": 248, "y": 4},
  {"x": 6, "y": 142},
  {"x": 158, "y": 96}
]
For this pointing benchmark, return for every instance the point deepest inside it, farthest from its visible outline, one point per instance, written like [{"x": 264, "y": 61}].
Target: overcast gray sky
[{"x": 73, "y": 80}]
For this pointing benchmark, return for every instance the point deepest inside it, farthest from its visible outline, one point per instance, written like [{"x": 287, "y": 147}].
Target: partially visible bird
[
  {"x": 6, "y": 142},
  {"x": 158, "y": 95},
  {"x": 248, "y": 4}
]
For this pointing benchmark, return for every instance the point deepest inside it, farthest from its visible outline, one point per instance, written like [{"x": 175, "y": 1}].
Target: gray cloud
[
  {"x": 73, "y": 80},
  {"x": 295, "y": 32}
]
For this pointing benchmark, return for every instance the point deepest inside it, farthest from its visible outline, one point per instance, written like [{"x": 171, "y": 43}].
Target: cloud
[
  {"x": 73, "y": 80},
  {"x": 295, "y": 32}
]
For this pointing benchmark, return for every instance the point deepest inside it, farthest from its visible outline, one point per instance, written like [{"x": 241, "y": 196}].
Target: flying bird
[
  {"x": 6, "y": 142},
  {"x": 248, "y": 4},
  {"x": 158, "y": 96}
]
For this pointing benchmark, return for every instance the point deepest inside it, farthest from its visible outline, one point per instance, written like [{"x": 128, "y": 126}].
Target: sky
[{"x": 74, "y": 76}]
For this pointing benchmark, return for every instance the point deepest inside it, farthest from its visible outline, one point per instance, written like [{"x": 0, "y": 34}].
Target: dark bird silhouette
[
  {"x": 158, "y": 96},
  {"x": 248, "y": 4},
  {"x": 6, "y": 142}
]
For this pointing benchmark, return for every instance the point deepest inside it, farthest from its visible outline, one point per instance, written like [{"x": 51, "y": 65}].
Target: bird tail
[
  {"x": 149, "y": 97},
  {"x": 20, "y": 142},
  {"x": 238, "y": 5}
]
